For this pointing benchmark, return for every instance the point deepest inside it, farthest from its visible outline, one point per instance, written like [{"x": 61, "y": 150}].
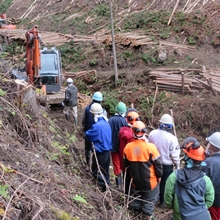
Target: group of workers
[{"x": 148, "y": 170}]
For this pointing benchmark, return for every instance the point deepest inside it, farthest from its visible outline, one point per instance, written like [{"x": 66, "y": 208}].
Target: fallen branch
[
  {"x": 210, "y": 84},
  {"x": 177, "y": 3},
  {"x": 9, "y": 170},
  {"x": 30, "y": 178},
  {"x": 9, "y": 202},
  {"x": 155, "y": 95},
  {"x": 174, "y": 127},
  {"x": 39, "y": 211}
]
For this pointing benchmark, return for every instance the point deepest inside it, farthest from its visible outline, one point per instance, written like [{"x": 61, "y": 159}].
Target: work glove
[{"x": 63, "y": 104}]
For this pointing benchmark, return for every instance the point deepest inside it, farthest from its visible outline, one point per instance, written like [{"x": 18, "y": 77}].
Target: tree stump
[{"x": 27, "y": 98}]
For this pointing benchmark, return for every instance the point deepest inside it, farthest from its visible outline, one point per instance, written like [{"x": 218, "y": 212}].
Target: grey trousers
[{"x": 144, "y": 200}]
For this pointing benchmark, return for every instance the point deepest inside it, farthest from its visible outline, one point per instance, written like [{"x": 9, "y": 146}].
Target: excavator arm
[{"x": 33, "y": 44}]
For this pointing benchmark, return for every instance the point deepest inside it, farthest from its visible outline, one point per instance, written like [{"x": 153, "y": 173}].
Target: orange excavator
[
  {"x": 4, "y": 24},
  {"x": 33, "y": 65},
  {"x": 43, "y": 67}
]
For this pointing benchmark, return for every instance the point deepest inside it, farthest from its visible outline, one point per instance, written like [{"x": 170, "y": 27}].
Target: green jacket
[{"x": 189, "y": 192}]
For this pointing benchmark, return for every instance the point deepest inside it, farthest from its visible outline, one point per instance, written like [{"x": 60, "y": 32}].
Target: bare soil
[{"x": 40, "y": 163}]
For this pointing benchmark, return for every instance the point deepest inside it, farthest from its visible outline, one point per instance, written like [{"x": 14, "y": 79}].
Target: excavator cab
[
  {"x": 4, "y": 24},
  {"x": 50, "y": 72}
]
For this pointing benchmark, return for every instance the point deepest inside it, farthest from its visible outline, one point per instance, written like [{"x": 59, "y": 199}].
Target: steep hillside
[
  {"x": 193, "y": 23},
  {"x": 41, "y": 154}
]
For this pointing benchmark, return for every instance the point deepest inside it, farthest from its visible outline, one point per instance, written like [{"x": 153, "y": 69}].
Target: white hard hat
[
  {"x": 69, "y": 80},
  {"x": 214, "y": 139},
  {"x": 96, "y": 108},
  {"x": 166, "y": 119}
]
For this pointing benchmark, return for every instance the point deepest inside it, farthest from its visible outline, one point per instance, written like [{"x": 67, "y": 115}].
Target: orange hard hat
[
  {"x": 195, "y": 153},
  {"x": 132, "y": 117},
  {"x": 139, "y": 128}
]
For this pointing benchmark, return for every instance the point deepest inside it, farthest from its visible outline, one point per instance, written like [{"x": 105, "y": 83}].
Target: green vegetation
[
  {"x": 2, "y": 93},
  {"x": 148, "y": 58},
  {"x": 4, "y": 5},
  {"x": 192, "y": 39},
  {"x": 4, "y": 191},
  {"x": 127, "y": 54},
  {"x": 62, "y": 215},
  {"x": 13, "y": 48},
  {"x": 71, "y": 54},
  {"x": 79, "y": 199},
  {"x": 93, "y": 62},
  {"x": 110, "y": 101},
  {"x": 156, "y": 22},
  {"x": 147, "y": 20},
  {"x": 102, "y": 10},
  {"x": 79, "y": 24}
]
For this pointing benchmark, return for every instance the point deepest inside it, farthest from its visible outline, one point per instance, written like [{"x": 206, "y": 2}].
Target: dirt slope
[
  {"x": 45, "y": 153},
  {"x": 91, "y": 18}
]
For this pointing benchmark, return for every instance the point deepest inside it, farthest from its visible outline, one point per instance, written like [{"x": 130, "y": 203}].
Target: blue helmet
[{"x": 97, "y": 96}]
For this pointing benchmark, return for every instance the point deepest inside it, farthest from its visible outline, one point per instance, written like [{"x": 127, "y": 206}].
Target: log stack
[
  {"x": 83, "y": 100},
  {"x": 129, "y": 39},
  {"x": 79, "y": 74},
  {"x": 50, "y": 38},
  {"x": 187, "y": 80}
]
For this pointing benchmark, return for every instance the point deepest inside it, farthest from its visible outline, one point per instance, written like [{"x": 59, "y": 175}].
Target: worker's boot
[
  {"x": 76, "y": 121},
  {"x": 119, "y": 182},
  {"x": 67, "y": 117}
]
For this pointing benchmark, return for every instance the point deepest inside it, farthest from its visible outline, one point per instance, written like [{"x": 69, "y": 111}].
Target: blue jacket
[
  {"x": 116, "y": 122},
  {"x": 87, "y": 120},
  {"x": 212, "y": 171},
  {"x": 101, "y": 135}
]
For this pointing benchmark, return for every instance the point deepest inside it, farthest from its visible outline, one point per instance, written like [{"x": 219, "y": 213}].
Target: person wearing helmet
[
  {"x": 70, "y": 101},
  {"x": 212, "y": 170},
  {"x": 188, "y": 191},
  {"x": 168, "y": 146},
  {"x": 87, "y": 122},
  {"x": 125, "y": 136},
  {"x": 116, "y": 122},
  {"x": 100, "y": 135},
  {"x": 145, "y": 170}
]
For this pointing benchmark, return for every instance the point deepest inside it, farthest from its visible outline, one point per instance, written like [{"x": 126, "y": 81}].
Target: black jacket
[{"x": 71, "y": 96}]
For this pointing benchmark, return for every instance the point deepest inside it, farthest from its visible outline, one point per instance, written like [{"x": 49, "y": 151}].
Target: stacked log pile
[
  {"x": 84, "y": 100},
  {"x": 79, "y": 74},
  {"x": 180, "y": 47},
  {"x": 187, "y": 80},
  {"x": 129, "y": 39},
  {"x": 50, "y": 38},
  {"x": 212, "y": 78}
]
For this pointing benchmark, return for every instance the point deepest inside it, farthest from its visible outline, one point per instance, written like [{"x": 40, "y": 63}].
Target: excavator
[
  {"x": 4, "y": 24},
  {"x": 43, "y": 71},
  {"x": 43, "y": 67}
]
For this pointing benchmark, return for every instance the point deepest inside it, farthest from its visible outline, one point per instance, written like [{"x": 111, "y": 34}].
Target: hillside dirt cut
[{"x": 42, "y": 162}]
